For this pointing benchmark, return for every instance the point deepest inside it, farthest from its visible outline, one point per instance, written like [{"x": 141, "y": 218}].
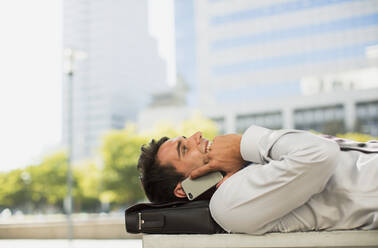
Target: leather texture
[{"x": 171, "y": 218}]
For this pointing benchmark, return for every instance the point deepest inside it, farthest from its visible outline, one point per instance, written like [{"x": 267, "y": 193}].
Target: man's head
[{"x": 164, "y": 164}]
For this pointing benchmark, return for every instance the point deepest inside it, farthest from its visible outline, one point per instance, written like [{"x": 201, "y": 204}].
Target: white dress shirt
[{"x": 298, "y": 182}]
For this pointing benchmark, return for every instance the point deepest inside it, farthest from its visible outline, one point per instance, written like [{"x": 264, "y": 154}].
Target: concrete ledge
[
  {"x": 299, "y": 239},
  {"x": 90, "y": 229}
]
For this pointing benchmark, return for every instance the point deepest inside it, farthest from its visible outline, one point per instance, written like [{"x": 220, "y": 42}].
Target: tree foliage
[
  {"x": 357, "y": 137},
  {"x": 120, "y": 153},
  {"x": 87, "y": 187},
  {"x": 36, "y": 187}
]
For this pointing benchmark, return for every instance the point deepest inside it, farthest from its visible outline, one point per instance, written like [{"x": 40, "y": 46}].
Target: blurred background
[{"x": 84, "y": 83}]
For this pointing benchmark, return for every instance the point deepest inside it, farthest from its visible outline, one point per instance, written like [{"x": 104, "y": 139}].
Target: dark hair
[{"x": 158, "y": 181}]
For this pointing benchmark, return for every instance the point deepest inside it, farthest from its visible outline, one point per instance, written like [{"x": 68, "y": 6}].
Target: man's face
[{"x": 185, "y": 154}]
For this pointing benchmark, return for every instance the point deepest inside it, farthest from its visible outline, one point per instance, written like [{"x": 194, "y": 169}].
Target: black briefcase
[{"x": 171, "y": 218}]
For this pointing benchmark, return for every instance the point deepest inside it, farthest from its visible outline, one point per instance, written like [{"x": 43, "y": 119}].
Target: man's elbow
[
  {"x": 319, "y": 152},
  {"x": 219, "y": 213},
  {"x": 331, "y": 152},
  {"x": 232, "y": 220},
  {"x": 326, "y": 162}
]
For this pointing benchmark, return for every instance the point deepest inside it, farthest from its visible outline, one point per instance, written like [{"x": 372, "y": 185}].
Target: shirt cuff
[{"x": 249, "y": 145}]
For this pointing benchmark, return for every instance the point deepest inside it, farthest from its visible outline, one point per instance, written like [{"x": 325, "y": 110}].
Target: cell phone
[{"x": 195, "y": 187}]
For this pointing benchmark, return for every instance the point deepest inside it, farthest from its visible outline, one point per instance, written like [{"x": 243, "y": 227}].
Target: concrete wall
[{"x": 89, "y": 229}]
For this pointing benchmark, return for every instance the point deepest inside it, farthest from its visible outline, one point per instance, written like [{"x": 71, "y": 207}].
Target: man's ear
[{"x": 178, "y": 191}]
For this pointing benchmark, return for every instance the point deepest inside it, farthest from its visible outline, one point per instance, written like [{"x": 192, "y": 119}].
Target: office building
[
  {"x": 282, "y": 63},
  {"x": 185, "y": 40},
  {"x": 122, "y": 68}
]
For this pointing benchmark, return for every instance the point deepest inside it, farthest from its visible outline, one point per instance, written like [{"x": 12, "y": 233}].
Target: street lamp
[{"x": 70, "y": 57}]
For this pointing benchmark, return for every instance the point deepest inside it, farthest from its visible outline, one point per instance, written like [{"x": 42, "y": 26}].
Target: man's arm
[{"x": 293, "y": 166}]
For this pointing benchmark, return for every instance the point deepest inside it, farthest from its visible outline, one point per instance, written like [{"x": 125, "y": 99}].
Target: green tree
[
  {"x": 87, "y": 176},
  {"x": 13, "y": 189},
  {"x": 36, "y": 187},
  {"x": 120, "y": 179},
  {"x": 187, "y": 127},
  {"x": 48, "y": 185},
  {"x": 357, "y": 137}
]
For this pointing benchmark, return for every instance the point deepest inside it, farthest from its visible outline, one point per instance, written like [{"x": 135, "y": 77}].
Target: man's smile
[{"x": 207, "y": 146}]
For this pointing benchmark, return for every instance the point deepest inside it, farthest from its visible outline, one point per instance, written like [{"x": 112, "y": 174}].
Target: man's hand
[{"x": 224, "y": 156}]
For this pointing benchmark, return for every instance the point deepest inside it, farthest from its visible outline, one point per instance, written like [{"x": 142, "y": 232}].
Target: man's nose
[{"x": 197, "y": 137}]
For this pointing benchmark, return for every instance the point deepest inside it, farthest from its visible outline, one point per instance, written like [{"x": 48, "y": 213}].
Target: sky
[{"x": 31, "y": 79}]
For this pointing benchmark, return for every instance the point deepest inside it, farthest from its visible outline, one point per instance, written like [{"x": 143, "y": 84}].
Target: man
[{"x": 296, "y": 181}]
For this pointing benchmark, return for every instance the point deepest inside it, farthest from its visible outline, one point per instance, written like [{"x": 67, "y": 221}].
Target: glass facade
[
  {"x": 297, "y": 32},
  {"x": 247, "y": 54},
  {"x": 186, "y": 45},
  {"x": 108, "y": 83},
  {"x": 270, "y": 120},
  {"x": 286, "y": 7},
  {"x": 221, "y": 124},
  {"x": 328, "y": 120},
  {"x": 367, "y": 118},
  {"x": 249, "y": 44},
  {"x": 309, "y": 57}
]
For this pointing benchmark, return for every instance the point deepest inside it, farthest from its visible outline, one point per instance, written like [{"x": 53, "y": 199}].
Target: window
[
  {"x": 272, "y": 120},
  {"x": 329, "y": 120},
  {"x": 220, "y": 122},
  {"x": 367, "y": 118}
]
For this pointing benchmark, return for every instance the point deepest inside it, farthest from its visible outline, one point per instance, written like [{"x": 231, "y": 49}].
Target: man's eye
[{"x": 184, "y": 149}]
